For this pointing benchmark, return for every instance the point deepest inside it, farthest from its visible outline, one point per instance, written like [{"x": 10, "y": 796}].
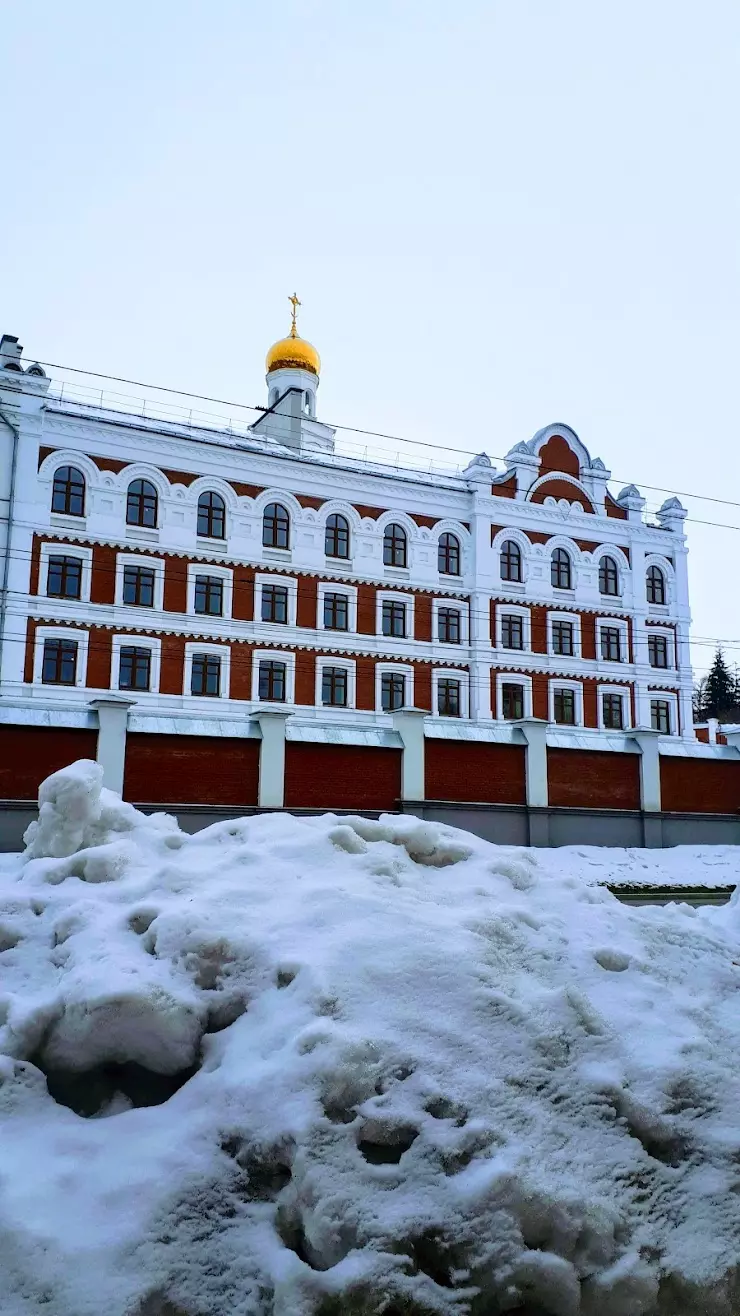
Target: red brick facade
[
  {"x": 163, "y": 769},
  {"x": 699, "y": 785},
  {"x": 342, "y": 777},
  {"x": 588, "y": 779},
  {"x": 475, "y": 772},
  {"x": 28, "y": 754}
]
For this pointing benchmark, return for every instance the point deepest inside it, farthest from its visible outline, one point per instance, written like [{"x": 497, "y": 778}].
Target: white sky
[{"x": 497, "y": 215}]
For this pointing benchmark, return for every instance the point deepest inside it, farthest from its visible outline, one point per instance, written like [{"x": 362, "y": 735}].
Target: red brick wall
[
  {"x": 175, "y": 585},
  {"x": 163, "y": 769},
  {"x": 557, "y": 455},
  {"x": 699, "y": 785},
  {"x": 539, "y": 629},
  {"x": 103, "y": 582},
  {"x": 173, "y": 662},
  {"x": 555, "y": 488},
  {"x": 28, "y": 754},
  {"x": 341, "y": 777},
  {"x": 475, "y": 772},
  {"x": 592, "y": 779}
]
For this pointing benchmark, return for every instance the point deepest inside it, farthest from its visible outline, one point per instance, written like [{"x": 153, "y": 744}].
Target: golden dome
[{"x": 293, "y": 353}]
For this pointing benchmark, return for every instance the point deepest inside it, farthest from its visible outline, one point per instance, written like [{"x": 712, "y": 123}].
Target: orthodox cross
[{"x": 294, "y": 304}]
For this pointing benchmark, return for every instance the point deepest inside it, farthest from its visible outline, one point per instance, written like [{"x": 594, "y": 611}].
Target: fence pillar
[
  {"x": 650, "y": 797},
  {"x": 112, "y": 711},
  {"x": 409, "y": 723},
  {"x": 534, "y": 732},
  {"x": 271, "y": 722}
]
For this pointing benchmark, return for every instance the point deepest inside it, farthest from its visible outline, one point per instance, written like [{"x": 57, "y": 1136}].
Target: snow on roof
[{"x": 311, "y": 1065}]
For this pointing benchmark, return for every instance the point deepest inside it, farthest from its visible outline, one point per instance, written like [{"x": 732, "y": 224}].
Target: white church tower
[{"x": 293, "y": 367}]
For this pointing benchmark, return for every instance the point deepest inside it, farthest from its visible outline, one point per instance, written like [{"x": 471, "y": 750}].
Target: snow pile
[
  {"x": 684, "y": 868},
  {"x": 304, "y": 1067}
]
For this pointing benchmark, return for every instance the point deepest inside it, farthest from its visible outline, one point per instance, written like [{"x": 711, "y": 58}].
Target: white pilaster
[
  {"x": 112, "y": 711},
  {"x": 271, "y": 722},
  {"x": 534, "y": 731},
  {"x": 409, "y": 723},
  {"x": 650, "y": 796}
]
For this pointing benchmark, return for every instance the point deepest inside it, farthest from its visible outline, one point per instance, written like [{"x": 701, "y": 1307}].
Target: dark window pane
[
  {"x": 512, "y": 701},
  {"x": 59, "y": 665},
  {"x": 68, "y": 492},
  {"x": 511, "y": 561},
  {"x": 211, "y": 516},
  {"x": 392, "y": 691},
  {"x": 562, "y": 637},
  {"x": 448, "y": 625},
  {"x": 272, "y": 681},
  {"x": 660, "y": 716},
  {"x": 138, "y": 586},
  {"x": 275, "y": 603},
  {"x": 334, "y": 686},
  {"x": 134, "y": 672},
  {"x": 613, "y": 717},
  {"x": 206, "y": 674},
  {"x": 448, "y": 698},
  {"x": 141, "y": 503},
  {"x": 658, "y": 650},
  {"x": 64, "y": 577},
  {"x": 564, "y": 707},
  {"x": 512, "y": 632},
  {"x": 336, "y": 612},
  {"x": 209, "y": 595},
  {"x": 336, "y": 539},
  {"x": 608, "y": 576},
  {"x": 448, "y": 555},
  {"x": 394, "y": 546},
  {"x": 394, "y": 618},
  {"x": 560, "y": 569},
  {"x": 611, "y": 644},
  {"x": 275, "y": 526},
  {"x": 655, "y": 585}
]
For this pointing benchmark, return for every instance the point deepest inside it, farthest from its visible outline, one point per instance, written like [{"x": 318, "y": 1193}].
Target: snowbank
[{"x": 320, "y": 1066}]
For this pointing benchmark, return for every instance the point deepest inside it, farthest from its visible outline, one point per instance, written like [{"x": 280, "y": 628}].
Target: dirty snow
[{"x": 288, "y": 1067}]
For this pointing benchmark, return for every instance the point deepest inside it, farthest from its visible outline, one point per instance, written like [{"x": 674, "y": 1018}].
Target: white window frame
[
  {"x": 400, "y": 669},
  {"x": 669, "y": 697},
  {"x": 670, "y": 637},
  {"x": 274, "y": 656},
  {"x": 577, "y": 688},
  {"x": 513, "y": 610},
  {"x": 326, "y": 660},
  {"x": 460, "y": 606},
  {"x": 225, "y": 574},
  {"x": 82, "y": 639},
  {"x": 512, "y": 678},
  {"x": 613, "y": 623},
  {"x": 290, "y": 583},
  {"x": 155, "y": 564},
  {"x": 222, "y": 651},
  {"x": 462, "y": 676},
  {"x": 59, "y": 548},
  {"x": 337, "y": 587},
  {"x": 394, "y": 596},
  {"x": 574, "y": 619},
  {"x": 140, "y": 642},
  {"x": 625, "y": 693}
]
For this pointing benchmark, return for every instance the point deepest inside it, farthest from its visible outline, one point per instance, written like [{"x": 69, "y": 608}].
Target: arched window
[
  {"x": 211, "y": 516},
  {"x": 560, "y": 569},
  {"x": 511, "y": 561},
  {"x": 68, "y": 494},
  {"x": 336, "y": 536},
  {"x": 275, "y": 526},
  {"x": 448, "y": 555},
  {"x": 608, "y": 576},
  {"x": 655, "y": 585},
  {"x": 394, "y": 546},
  {"x": 141, "y": 503}
]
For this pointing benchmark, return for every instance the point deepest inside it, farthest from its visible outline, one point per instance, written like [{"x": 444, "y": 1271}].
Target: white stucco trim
[
  {"x": 222, "y": 651},
  {"x": 559, "y": 683},
  {"x": 574, "y": 619},
  {"x": 289, "y": 583},
  {"x": 337, "y": 587},
  {"x": 456, "y": 606},
  {"x": 514, "y": 610},
  {"x": 139, "y": 642},
  {"x": 463, "y": 680},
  {"x": 81, "y": 638},
  {"x": 394, "y": 596},
  {"x": 155, "y": 564},
  {"x": 402, "y": 669},
  {"x": 274, "y": 656},
  {"x": 512, "y": 678},
  {"x": 225, "y": 574},
  {"x": 350, "y": 668},
  {"x": 625, "y": 695},
  {"x": 671, "y": 698},
  {"x": 60, "y": 548}
]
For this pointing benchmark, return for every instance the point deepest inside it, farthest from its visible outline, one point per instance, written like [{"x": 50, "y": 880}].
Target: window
[
  {"x": 272, "y": 682},
  {"x": 448, "y": 625},
  {"x": 392, "y": 691},
  {"x": 561, "y": 573},
  {"x": 512, "y": 632},
  {"x": 138, "y": 586},
  {"x": 612, "y": 712},
  {"x": 274, "y": 603},
  {"x": 64, "y": 577},
  {"x": 68, "y": 493},
  {"x": 394, "y": 546},
  {"x": 611, "y": 644},
  {"x": 336, "y": 538},
  {"x": 658, "y": 650},
  {"x": 511, "y": 561},
  {"x": 655, "y": 583},
  {"x": 562, "y": 638},
  {"x": 394, "y": 618},
  {"x": 448, "y": 698},
  {"x": 211, "y": 516},
  {"x": 141, "y": 504},
  {"x": 608, "y": 576},
  {"x": 336, "y": 612},
  {"x": 135, "y": 667},
  {"x": 512, "y": 701},
  {"x": 59, "y": 666},
  {"x": 564, "y": 707},
  {"x": 448, "y": 555},
  {"x": 660, "y": 716},
  {"x": 275, "y": 526},
  {"x": 334, "y": 686},
  {"x": 205, "y": 677},
  {"x": 209, "y": 595}
]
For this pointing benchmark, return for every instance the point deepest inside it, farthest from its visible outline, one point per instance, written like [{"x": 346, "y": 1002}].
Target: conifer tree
[{"x": 719, "y": 691}]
